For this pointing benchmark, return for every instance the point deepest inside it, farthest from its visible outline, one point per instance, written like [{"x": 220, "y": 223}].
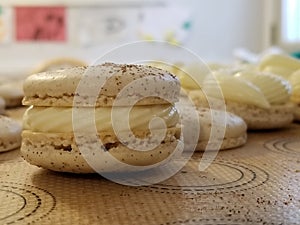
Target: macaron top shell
[{"x": 58, "y": 88}]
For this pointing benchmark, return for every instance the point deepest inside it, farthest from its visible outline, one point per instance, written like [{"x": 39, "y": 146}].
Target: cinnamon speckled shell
[
  {"x": 57, "y": 88},
  {"x": 60, "y": 152}
]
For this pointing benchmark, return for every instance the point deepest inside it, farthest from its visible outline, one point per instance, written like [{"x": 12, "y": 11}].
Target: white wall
[
  {"x": 223, "y": 25},
  {"x": 219, "y": 27}
]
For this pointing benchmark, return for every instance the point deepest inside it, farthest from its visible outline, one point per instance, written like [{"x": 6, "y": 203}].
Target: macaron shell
[
  {"x": 235, "y": 133},
  {"x": 277, "y": 116},
  {"x": 297, "y": 113},
  {"x": 10, "y": 134},
  {"x": 2, "y": 106},
  {"x": 235, "y": 125},
  {"x": 59, "y": 152},
  {"x": 12, "y": 93},
  {"x": 57, "y": 88},
  {"x": 256, "y": 118}
]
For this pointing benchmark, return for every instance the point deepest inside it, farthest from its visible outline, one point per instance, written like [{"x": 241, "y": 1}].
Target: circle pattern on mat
[
  {"x": 26, "y": 203},
  {"x": 220, "y": 176},
  {"x": 196, "y": 221},
  {"x": 284, "y": 145}
]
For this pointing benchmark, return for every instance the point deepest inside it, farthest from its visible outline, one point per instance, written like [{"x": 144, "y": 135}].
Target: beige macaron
[
  {"x": 10, "y": 134},
  {"x": 222, "y": 130},
  {"x": 51, "y": 141},
  {"x": 2, "y": 106},
  {"x": 12, "y": 92},
  {"x": 235, "y": 129},
  {"x": 297, "y": 113}
]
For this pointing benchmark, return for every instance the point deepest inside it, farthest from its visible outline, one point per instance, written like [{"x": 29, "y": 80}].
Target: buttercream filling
[{"x": 59, "y": 119}]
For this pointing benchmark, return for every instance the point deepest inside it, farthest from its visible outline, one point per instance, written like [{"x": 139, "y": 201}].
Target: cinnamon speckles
[{"x": 123, "y": 68}]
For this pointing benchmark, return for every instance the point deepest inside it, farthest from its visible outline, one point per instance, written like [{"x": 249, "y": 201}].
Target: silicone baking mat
[{"x": 255, "y": 184}]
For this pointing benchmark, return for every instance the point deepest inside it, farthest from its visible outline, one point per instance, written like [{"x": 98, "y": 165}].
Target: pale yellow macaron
[{"x": 49, "y": 140}]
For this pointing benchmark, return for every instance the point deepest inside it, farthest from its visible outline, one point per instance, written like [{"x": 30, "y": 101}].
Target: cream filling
[
  {"x": 59, "y": 119},
  {"x": 294, "y": 79},
  {"x": 276, "y": 89},
  {"x": 231, "y": 88}
]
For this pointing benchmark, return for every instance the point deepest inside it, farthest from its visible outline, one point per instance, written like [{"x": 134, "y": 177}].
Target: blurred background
[{"x": 34, "y": 31}]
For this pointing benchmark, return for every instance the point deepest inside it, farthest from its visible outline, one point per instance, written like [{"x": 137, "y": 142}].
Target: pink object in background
[{"x": 40, "y": 23}]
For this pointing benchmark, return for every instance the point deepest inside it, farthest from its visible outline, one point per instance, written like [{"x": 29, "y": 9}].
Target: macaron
[
  {"x": 294, "y": 79},
  {"x": 10, "y": 134},
  {"x": 49, "y": 135},
  {"x": 219, "y": 130},
  {"x": 2, "y": 106},
  {"x": 261, "y": 99},
  {"x": 12, "y": 92}
]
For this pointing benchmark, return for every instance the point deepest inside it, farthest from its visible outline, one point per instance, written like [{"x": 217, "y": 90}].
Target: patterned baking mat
[{"x": 255, "y": 184}]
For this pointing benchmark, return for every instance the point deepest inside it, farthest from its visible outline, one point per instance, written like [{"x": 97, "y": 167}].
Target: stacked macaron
[{"x": 50, "y": 138}]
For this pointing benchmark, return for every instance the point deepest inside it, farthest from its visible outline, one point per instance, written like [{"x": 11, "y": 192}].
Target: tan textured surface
[{"x": 255, "y": 184}]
